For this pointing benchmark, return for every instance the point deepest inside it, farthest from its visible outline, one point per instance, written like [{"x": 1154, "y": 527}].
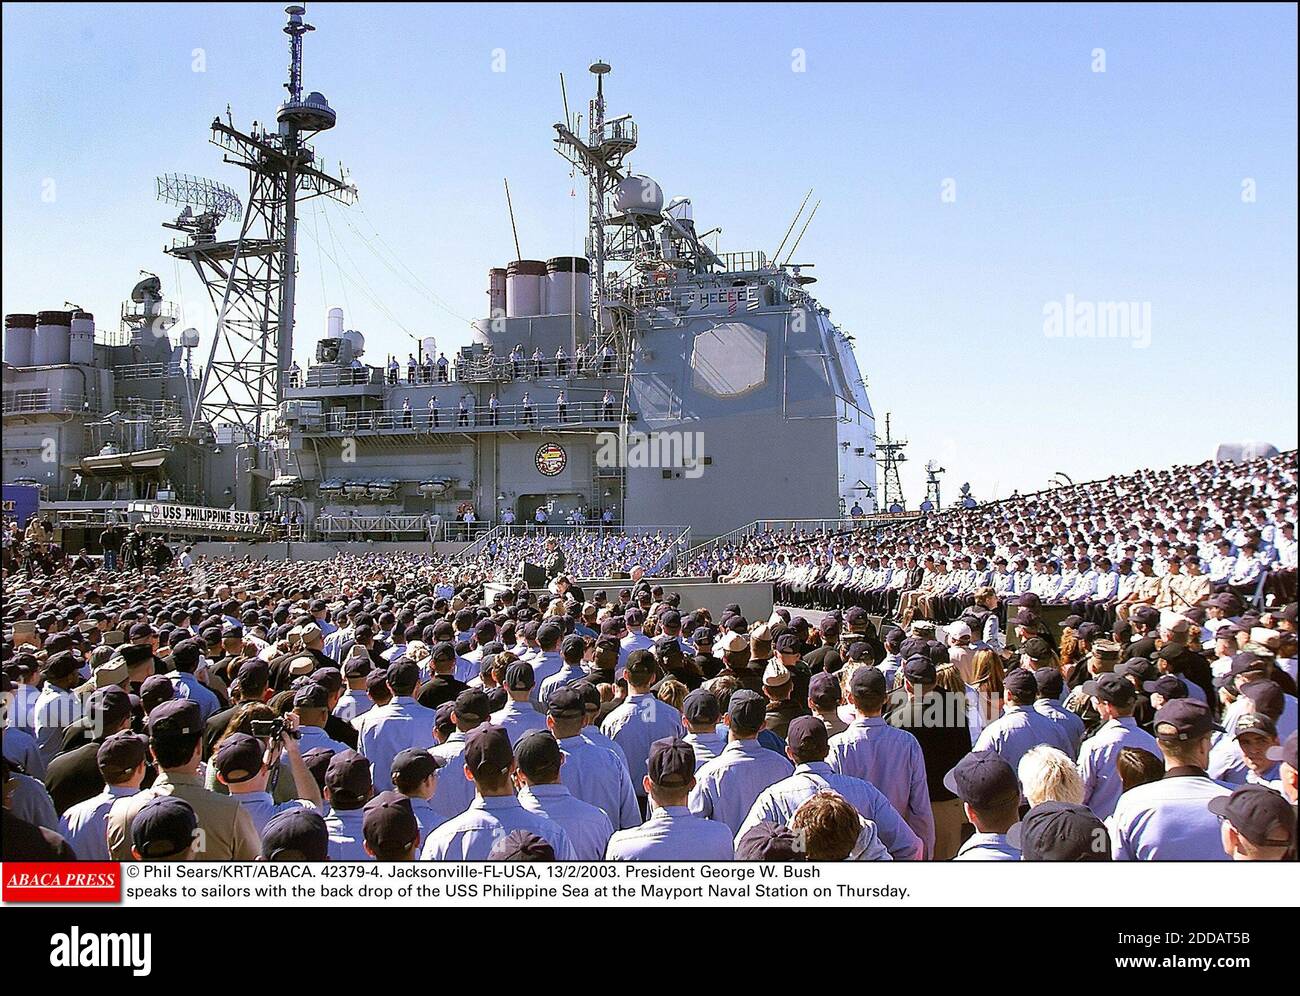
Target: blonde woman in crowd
[
  {"x": 948, "y": 679},
  {"x": 673, "y": 692},
  {"x": 986, "y": 679},
  {"x": 1047, "y": 775}
]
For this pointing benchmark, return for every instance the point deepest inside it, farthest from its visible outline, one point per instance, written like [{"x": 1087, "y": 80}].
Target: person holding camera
[{"x": 246, "y": 765}]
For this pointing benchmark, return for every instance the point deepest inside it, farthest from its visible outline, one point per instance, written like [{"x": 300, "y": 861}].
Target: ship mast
[
  {"x": 251, "y": 280},
  {"x": 600, "y": 158}
]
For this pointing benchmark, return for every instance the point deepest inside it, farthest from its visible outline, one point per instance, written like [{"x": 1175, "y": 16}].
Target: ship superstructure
[{"x": 653, "y": 380}]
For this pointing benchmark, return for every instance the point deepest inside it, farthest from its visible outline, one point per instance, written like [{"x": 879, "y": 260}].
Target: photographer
[{"x": 244, "y": 765}]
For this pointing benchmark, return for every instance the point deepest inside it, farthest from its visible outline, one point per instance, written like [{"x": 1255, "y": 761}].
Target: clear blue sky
[{"x": 1116, "y": 186}]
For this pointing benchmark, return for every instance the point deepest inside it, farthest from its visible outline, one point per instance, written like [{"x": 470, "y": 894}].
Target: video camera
[{"x": 273, "y": 729}]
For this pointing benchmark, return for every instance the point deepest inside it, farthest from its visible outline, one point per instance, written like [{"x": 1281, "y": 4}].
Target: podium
[{"x": 534, "y": 575}]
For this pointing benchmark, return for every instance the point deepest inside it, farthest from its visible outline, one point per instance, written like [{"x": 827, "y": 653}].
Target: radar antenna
[
  {"x": 251, "y": 279},
  {"x": 932, "y": 493},
  {"x": 889, "y": 452},
  {"x": 204, "y": 203}
]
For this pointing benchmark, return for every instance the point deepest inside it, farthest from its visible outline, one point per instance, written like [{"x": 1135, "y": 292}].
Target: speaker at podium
[{"x": 534, "y": 575}]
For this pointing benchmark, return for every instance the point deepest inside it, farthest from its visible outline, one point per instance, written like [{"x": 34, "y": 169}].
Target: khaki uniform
[
  {"x": 1192, "y": 589},
  {"x": 228, "y": 833}
]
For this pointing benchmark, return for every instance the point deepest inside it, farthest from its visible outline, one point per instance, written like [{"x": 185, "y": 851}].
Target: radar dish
[
  {"x": 195, "y": 193},
  {"x": 147, "y": 290}
]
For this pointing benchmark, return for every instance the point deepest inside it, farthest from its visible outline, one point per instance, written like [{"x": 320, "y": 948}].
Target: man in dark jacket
[{"x": 938, "y": 721}]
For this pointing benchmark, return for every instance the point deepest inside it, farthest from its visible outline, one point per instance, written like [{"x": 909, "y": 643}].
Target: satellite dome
[{"x": 638, "y": 195}]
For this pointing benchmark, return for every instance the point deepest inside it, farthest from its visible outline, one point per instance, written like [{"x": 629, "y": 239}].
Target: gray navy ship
[{"x": 652, "y": 381}]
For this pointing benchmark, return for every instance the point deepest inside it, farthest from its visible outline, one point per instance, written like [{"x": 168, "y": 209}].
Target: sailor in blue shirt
[
  {"x": 1256, "y": 692},
  {"x": 591, "y": 732},
  {"x": 495, "y": 812},
  {"x": 635, "y": 639},
  {"x": 1240, "y": 756},
  {"x": 594, "y": 774},
  {"x": 1020, "y": 727},
  {"x": 57, "y": 706},
  {"x": 22, "y": 750},
  {"x": 415, "y": 776},
  {"x": 1258, "y": 824},
  {"x": 390, "y": 729},
  {"x": 519, "y": 716},
  {"x": 242, "y": 764},
  {"x": 728, "y": 786},
  {"x": 538, "y": 761},
  {"x": 548, "y": 662},
  {"x": 891, "y": 662},
  {"x": 311, "y": 707},
  {"x": 886, "y": 756},
  {"x": 1051, "y": 688},
  {"x": 1114, "y": 697},
  {"x": 121, "y": 761},
  {"x": 355, "y": 701},
  {"x": 390, "y": 829},
  {"x": 808, "y": 745},
  {"x": 397, "y": 651},
  {"x": 485, "y": 634},
  {"x": 642, "y": 718},
  {"x": 185, "y": 657},
  {"x": 571, "y": 651},
  {"x": 990, "y": 794},
  {"x": 672, "y": 833},
  {"x": 454, "y": 793},
  {"x": 348, "y": 787},
  {"x": 700, "y": 713},
  {"x": 1169, "y": 820}
]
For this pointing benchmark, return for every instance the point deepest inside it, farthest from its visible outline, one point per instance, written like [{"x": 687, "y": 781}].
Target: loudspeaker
[{"x": 534, "y": 575}]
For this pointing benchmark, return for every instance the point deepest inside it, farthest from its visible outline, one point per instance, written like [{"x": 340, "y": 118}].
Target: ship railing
[
  {"x": 480, "y": 543},
  {"x": 285, "y": 532},
  {"x": 426, "y": 373},
  {"x": 151, "y": 408},
  {"x": 674, "y": 556},
  {"x": 146, "y": 371},
  {"x": 138, "y": 312},
  {"x": 532, "y": 417},
  {"x": 35, "y": 401},
  {"x": 499, "y": 370},
  {"x": 332, "y": 376},
  {"x": 619, "y": 133},
  {"x": 745, "y": 261},
  {"x": 458, "y": 531},
  {"x": 366, "y": 526}
]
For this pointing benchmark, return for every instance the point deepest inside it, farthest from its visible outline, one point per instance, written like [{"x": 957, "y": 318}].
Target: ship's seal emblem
[{"x": 551, "y": 459}]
